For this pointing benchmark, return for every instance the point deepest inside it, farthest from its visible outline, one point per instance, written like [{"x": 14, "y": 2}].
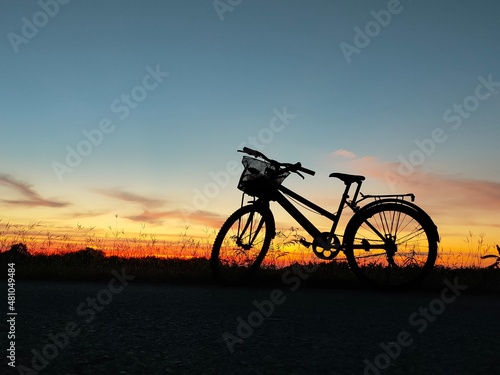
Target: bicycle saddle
[{"x": 348, "y": 178}]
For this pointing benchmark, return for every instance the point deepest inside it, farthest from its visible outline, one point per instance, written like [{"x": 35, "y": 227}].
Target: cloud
[
  {"x": 131, "y": 197},
  {"x": 207, "y": 218},
  {"x": 452, "y": 196},
  {"x": 31, "y": 197},
  {"x": 150, "y": 217},
  {"x": 153, "y": 216},
  {"x": 159, "y": 217},
  {"x": 84, "y": 214},
  {"x": 344, "y": 154},
  {"x": 458, "y": 194}
]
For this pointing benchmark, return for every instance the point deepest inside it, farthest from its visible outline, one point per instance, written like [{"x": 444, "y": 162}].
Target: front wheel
[
  {"x": 242, "y": 244},
  {"x": 391, "y": 245}
]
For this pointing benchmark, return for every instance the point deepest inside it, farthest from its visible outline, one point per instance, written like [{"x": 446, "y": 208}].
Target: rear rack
[
  {"x": 396, "y": 196},
  {"x": 355, "y": 204}
]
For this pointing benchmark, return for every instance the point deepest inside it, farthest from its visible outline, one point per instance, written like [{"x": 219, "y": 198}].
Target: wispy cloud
[
  {"x": 150, "y": 217},
  {"x": 447, "y": 195},
  {"x": 153, "y": 214},
  {"x": 207, "y": 218},
  {"x": 344, "y": 154},
  {"x": 196, "y": 217},
  {"x": 84, "y": 214},
  {"x": 30, "y": 198},
  {"x": 455, "y": 193},
  {"x": 131, "y": 197}
]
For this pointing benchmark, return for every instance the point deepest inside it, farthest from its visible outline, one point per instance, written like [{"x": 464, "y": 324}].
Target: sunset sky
[{"x": 136, "y": 109}]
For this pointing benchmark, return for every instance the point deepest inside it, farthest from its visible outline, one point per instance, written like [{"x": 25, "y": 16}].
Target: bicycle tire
[
  {"x": 409, "y": 234},
  {"x": 241, "y": 244}
]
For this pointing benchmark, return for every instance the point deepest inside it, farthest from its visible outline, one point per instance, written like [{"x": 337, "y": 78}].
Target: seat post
[
  {"x": 348, "y": 181},
  {"x": 346, "y": 196},
  {"x": 355, "y": 198},
  {"x": 343, "y": 200}
]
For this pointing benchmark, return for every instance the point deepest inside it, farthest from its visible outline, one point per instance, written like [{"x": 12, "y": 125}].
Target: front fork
[
  {"x": 252, "y": 234},
  {"x": 262, "y": 205}
]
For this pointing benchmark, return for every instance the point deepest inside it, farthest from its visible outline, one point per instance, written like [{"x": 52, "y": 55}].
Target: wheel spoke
[
  {"x": 241, "y": 244},
  {"x": 408, "y": 253}
]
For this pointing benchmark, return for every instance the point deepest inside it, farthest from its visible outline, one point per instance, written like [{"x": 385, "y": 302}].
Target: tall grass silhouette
[{"x": 84, "y": 254}]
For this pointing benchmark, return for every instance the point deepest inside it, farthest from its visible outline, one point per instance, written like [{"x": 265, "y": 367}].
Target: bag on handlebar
[{"x": 259, "y": 177}]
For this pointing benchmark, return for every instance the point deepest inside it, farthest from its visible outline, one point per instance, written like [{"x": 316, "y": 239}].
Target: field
[{"x": 90, "y": 258}]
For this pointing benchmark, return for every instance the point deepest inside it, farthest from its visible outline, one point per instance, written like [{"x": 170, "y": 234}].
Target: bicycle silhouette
[{"x": 389, "y": 242}]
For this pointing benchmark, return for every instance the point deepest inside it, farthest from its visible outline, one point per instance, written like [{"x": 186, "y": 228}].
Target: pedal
[
  {"x": 365, "y": 244},
  {"x": 305, "y": 243}
]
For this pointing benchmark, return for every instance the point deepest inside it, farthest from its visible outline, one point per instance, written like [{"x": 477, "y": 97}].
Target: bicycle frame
[
  {"x": 309, "y": 227},
  {"x": 280, "y": 194}
]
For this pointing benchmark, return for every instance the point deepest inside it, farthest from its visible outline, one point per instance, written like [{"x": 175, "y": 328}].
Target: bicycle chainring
[{"x": 326, "y": 254}]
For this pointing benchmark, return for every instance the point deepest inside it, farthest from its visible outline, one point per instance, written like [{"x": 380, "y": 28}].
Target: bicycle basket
[{"x": 259, "y": 177}]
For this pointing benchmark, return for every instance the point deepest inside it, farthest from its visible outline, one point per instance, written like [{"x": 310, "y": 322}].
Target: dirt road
[{"x": 122, "y": 327}]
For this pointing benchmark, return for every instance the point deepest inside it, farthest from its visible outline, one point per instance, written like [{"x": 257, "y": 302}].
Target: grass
[
  {"x": 185, "y": 260},
  {"x": 113, "y": 242},
  {"x": 92, "y": 265}
]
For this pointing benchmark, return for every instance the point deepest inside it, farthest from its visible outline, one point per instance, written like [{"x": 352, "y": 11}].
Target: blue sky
[{"x": 229, "y": 71}]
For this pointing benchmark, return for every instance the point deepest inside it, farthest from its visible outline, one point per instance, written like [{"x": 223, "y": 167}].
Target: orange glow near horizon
[{"x": 454, "y": 251}]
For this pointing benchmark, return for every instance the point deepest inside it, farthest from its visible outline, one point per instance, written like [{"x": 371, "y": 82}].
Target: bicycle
[{"x": 389, "y": 242}]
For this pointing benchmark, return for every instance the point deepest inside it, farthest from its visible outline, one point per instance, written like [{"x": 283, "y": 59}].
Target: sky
[{"x": 117, "y": 114}]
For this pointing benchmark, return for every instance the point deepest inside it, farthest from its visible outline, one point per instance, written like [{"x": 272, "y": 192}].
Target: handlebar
[
  {"x": 306, "y": 170},
  {"x": 252, "y": 152},
  {"x": 288, "y": 167}
]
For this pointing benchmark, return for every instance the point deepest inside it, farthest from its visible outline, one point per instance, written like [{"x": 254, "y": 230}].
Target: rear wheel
[
  {"x": 242, "y": 244},
  {"x": 391, "y": 245}
]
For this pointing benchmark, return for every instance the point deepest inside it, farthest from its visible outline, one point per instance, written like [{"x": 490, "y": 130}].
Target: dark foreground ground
[{"x": 144, "y": 328}]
